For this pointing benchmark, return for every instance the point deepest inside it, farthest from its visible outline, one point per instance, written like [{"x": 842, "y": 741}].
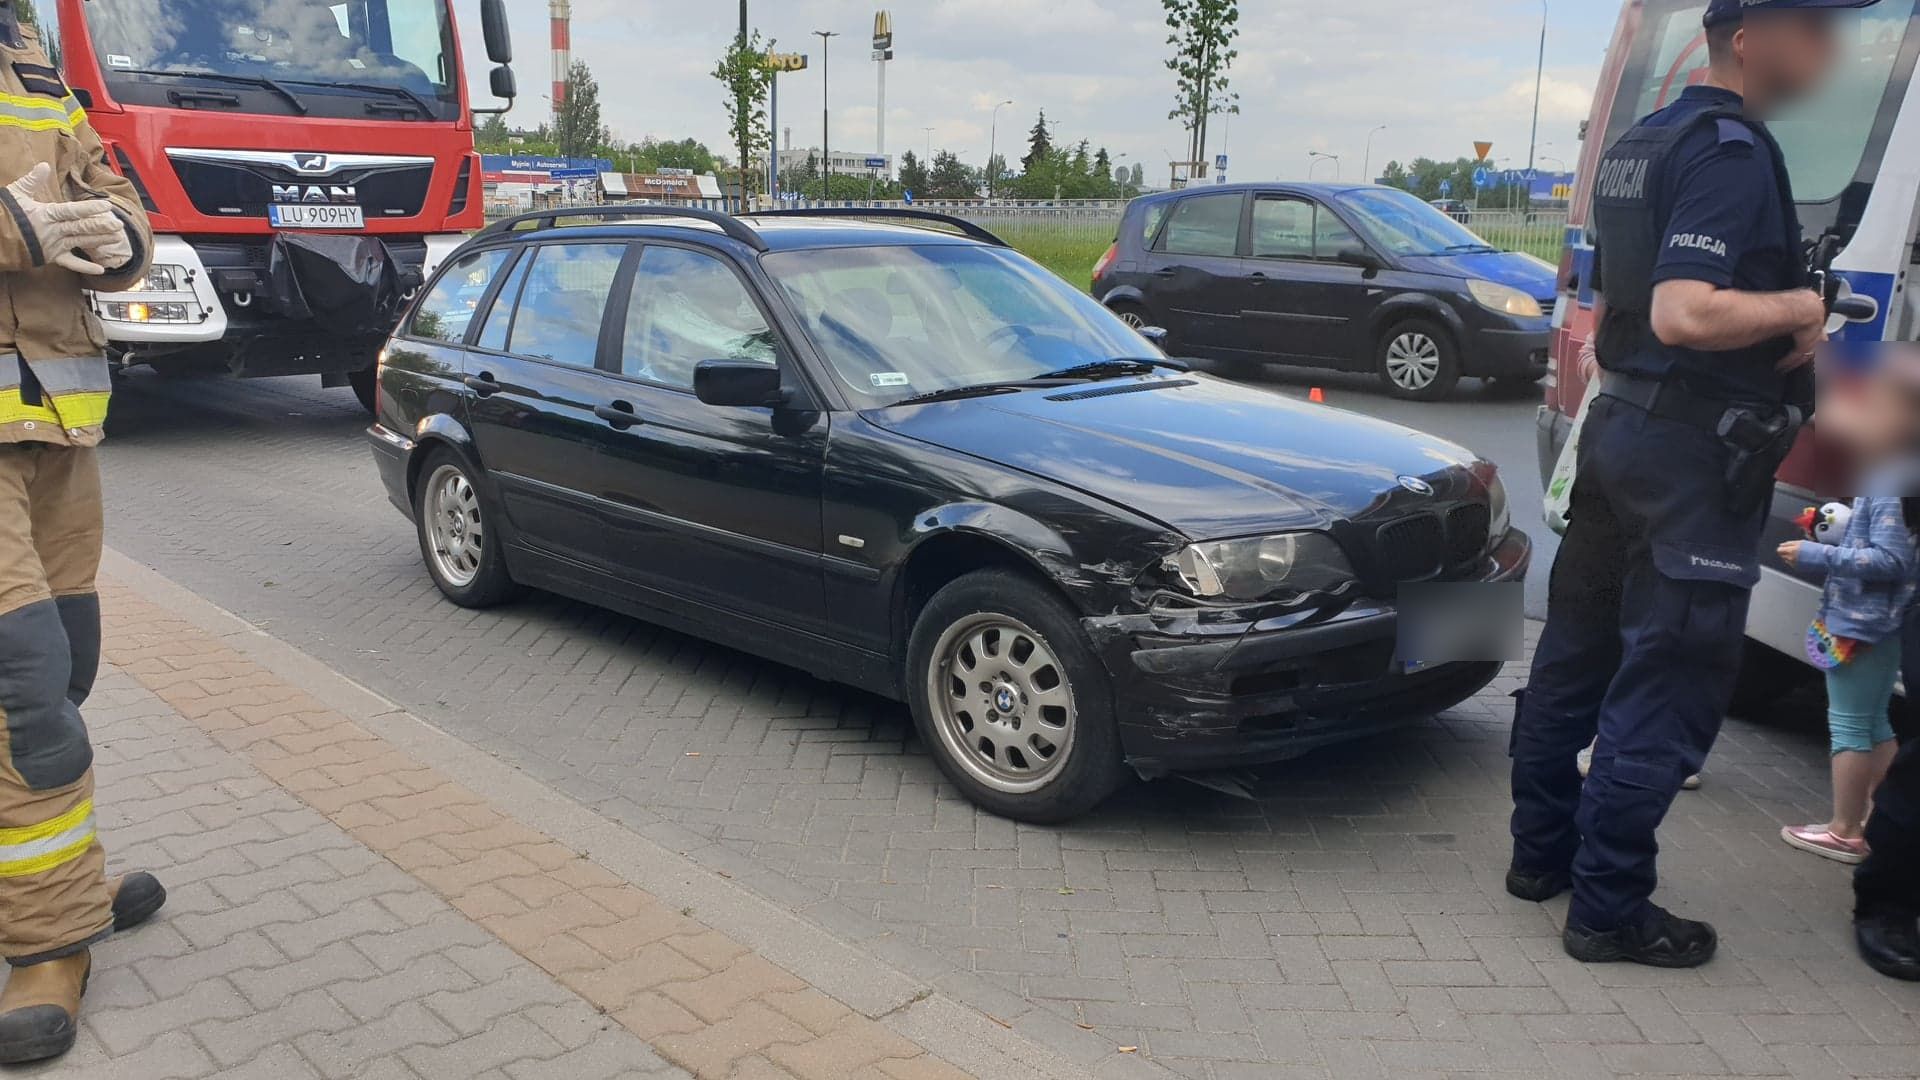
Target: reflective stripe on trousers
[{"x": 53, "y": 890}]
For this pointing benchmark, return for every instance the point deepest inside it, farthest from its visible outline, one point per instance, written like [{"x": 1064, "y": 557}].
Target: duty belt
[{"x": 1671, "y": 401}]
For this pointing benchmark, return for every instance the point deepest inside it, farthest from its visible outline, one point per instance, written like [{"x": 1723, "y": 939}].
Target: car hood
[
  {"x": 1208, "y": 457},
  {"x": 1523, "y": 272}
]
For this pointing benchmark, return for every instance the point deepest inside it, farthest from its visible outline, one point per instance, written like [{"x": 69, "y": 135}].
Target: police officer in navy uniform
[{"x": 1708, "y": 328}]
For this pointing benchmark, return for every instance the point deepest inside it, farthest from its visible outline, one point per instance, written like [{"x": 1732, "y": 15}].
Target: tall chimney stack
[{"x": 562, "y": 16}]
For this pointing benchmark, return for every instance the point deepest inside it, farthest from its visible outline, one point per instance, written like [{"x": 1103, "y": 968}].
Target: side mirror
[
  {"x": 1155, "y": 334},
  {"x": 503, "y": 84},
  {"x": 1365, "y": 260},
  {"x": 737, "y": 384},
  {"x": 493, "y": 26}
]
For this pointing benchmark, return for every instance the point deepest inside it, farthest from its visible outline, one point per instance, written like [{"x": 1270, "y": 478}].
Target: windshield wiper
[
  {"x": 413, "y": 99},
  {"x": 986, "y": 389},
  {"x": 1116, "y": 367},
  {"x": 260, "y": 81},
  {"x": 1465, "y": 249}
]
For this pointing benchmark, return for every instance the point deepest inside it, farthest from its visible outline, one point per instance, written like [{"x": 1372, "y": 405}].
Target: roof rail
[
  {"x": 548, "y": 219},
  {"x": 883, "y": 212}
]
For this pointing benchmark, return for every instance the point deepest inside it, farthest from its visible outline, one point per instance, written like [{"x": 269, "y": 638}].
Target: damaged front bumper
[{"x": 1195, "y": 694}]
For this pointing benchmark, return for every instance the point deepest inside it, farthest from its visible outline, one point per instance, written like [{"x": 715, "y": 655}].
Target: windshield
[
  {"x": 899, "y": 322},
  {"x": 338, "y": 57},
  {"x": 1830, "y": 139},
  {"x": 1403, "y": 225}
]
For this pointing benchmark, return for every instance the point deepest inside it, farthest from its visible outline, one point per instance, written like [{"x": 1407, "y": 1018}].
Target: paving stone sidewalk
[{"x": 340, "y": 909}]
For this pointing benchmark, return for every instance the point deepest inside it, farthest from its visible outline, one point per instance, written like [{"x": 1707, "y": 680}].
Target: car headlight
[
  {"x": 1502, "y": 511},
  {"x": 1505, "y": 299},
  {"x": 1258, "y": 567}
]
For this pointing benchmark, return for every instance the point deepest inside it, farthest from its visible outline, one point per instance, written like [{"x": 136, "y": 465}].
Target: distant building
[{"x": 845, "y": 163}]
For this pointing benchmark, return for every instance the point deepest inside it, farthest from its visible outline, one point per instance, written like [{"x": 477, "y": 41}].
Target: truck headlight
[
  {"x": 1258, "y": 567},
  {"x": 1504, "y": 299},
  {"x": 162, "y": 278}
]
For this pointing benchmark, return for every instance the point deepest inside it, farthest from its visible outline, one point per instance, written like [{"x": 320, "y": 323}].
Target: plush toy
[{"x": 1826, "y": 525}]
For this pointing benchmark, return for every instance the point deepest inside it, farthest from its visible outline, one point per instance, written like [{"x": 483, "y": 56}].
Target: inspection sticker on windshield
[
  {"x": 117, "y": 60},
  {"x": 882, "y": 379}
]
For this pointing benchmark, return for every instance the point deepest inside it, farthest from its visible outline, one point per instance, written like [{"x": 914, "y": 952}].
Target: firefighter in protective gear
[{"x": 68, "y": 222}]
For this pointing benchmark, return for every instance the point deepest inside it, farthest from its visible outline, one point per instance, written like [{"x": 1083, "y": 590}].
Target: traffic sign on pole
[
  {"x": 1481, "y": 177},
  {"x": 1446, "y": 188},
  {"x": 1481, "y": 150}
]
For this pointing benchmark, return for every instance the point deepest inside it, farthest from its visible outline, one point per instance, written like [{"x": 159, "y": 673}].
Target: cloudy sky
[{"x": 1312, "y": 74}]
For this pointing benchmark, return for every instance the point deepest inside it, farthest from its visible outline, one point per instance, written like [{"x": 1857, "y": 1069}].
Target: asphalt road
[{"x": 1345, "y": 918}]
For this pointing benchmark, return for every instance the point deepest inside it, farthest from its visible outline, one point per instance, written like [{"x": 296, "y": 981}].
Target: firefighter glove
[{"x": 69, "y": 234}]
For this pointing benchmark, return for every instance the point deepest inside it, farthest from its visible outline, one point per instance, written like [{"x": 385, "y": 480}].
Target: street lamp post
[
  {"x": 1539, "y": 77},
  {"x": 826, "y": 139},
  {"x": 1316, "y": 157},
  {"x": 993, "y": 147},
  {"x": 929, "y": 132},
  {"x": 1366, "y": 169}
]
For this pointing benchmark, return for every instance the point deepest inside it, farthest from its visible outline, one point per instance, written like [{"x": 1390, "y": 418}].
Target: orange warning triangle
[{"x": 1481, "y": 150}]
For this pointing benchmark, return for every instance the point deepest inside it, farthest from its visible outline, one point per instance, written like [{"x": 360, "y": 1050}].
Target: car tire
[
  {"x": 458, "y": 542},
  {"x": 1416, "y": 359},
  {"x": 366, "y": 387},
  {"x": 1011, "y": 701}
]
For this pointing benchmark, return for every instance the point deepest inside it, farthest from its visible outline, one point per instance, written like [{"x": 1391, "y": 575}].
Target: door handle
[
  {"x": 482, "y": 384},
  {"x": 619, "y": 415},
  {"x": 1164, "y": 273},
  {"x": 1257, "y": 278}
]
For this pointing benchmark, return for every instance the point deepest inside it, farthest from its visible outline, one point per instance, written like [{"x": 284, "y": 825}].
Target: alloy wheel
[
  {"x": 1001, "y": 702},
  {"x": 1413, "y": 360},
  {"x": 454, "y": 528}
]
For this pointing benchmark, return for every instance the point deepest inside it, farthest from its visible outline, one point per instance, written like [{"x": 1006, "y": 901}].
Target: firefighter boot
[
  {"x": 40, "y": 1009},
  {"x": 135, "y": 898}
]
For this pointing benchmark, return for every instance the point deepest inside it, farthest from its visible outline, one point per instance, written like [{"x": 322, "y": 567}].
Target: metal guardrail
[{"x": 1080, "y": 224}]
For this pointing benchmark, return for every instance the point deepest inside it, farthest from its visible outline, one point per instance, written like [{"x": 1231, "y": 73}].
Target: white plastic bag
[{"x": 1560, "y": 487}]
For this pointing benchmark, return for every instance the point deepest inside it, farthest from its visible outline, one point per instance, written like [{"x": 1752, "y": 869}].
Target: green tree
[
  {"x": 745, "y": 74},
  {"x": 1103, "y": 163},
  {"x": 493, "y": 136},
  {"x": 578, "y": 131},
  {"x": 1202, "y": 33},
  {"x": 913, "y": 173},
  {"x": 1039, "y": 142},
  {"x": 951, "y": 179},
  {"x": 1139, "y": 179}
]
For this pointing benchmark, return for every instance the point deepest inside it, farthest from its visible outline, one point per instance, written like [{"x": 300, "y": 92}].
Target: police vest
[{"x": 1630, "y": 222}]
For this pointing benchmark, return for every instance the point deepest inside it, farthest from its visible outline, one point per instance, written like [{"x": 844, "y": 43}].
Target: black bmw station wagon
[{"x": 889, "y": 450}]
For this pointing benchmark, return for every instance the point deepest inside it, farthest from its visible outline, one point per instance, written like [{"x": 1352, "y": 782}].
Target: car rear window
[
  {"x": 1204, "y": 225},
  {"x": 564, "y": 301},
  {"x": 447, "y": 309}
]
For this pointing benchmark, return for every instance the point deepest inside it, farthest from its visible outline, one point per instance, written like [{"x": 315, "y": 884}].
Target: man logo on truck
[{"x": 340, "y": 194}]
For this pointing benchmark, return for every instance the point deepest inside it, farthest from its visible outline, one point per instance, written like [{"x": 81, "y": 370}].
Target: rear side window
[
  {"x": 1204, "y": 225},
  {"x": 564, "y": 302},
  {"x": 447, "y": 309},
  {"x": 688, "y": 307}
]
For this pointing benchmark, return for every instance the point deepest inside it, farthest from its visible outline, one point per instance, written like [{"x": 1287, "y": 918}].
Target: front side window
[
  {"x": 1204, "y": 225},
  {"x": 1403, "y": 225},
  {"x": 386, "y": 59},
  {"x": 688, "y": 307},
  {"x": 564, "y": 302},
  {"x": 447, "y": 309}
]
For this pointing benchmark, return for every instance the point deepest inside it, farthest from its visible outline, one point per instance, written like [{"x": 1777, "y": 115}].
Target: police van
[{"x": 1854, "y": 156}]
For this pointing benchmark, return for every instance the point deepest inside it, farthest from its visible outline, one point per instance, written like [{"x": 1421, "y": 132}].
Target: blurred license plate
[{"x": 318, "y": 216}]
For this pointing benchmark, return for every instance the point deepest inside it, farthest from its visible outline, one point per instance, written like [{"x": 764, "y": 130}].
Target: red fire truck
[{"x": 306, "y": 164}]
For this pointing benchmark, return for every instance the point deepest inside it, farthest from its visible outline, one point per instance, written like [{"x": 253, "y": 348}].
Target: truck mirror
[
  {"x": 493, "y": 26},
  {"x": 503, "y": 84}
]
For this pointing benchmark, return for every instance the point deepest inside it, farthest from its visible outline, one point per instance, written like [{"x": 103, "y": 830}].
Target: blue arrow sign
[{"x": 1481, "y": 177}]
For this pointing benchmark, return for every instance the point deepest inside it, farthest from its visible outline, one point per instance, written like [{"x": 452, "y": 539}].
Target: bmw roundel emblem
[{"x": 1416, "y": 485}]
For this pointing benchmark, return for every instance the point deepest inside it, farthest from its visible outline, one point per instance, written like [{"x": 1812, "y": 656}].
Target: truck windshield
[
  {"x": 1830, "y": 140},
  {"x": 389, "y": 59}
]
